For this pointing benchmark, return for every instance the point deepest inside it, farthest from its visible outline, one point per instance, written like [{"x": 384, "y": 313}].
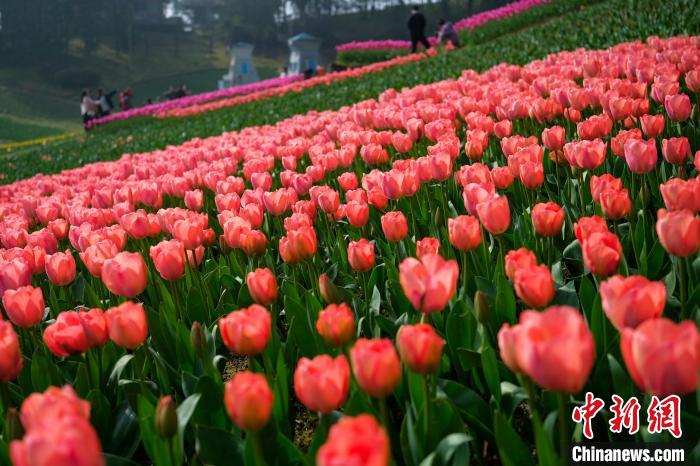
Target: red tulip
[
  {"x": 652, "y": 125},
  {"x": 603, "y": 182},
  {"x": 96, "y": 254},
  {"x": 662, "y": 357},
  {"x": 65, "y": 441},
  {"x": 394, "y": 226},
  {"x": 494, "y": 214},
  {"x": 585, "y": 155},
  {"x": 420, "y": 348},
  {"x": 60, "y": 268},
  {"x": 547, "y": 218},
  {"x": 675, "y": 150},
  {"x": 355, "y": 441},
  {"x": 502, "y": 177},
  {"x": 427, "y": 246},
  {"x": 630, "y": 301},
  {"x": 677, "y": 107},
  {"x": 465, "y": 232},
  {"x": 125, "y": 274},
  {"x": 586, "y": 226},
  {"x": 474, "y": 194},
  {"x": 336, "y": 324},
  {"x": 517, "y": 259},
  {"x": 553, "y": 347},
  {"x": 617, "y": 143},
  {"x": 248, "y": 400},
  {"x": 40, "y": 410},
  {"x": 127, "y": 325},
  {"x": 190, "y": 233},
  {"x": 246, "y": 331},
  {"x": 532, "y": 175},
  {"x": 136, "y": 224},
  {"x": 322, "y": 383},
  {"x": 298, "y": 245},
  {"x": 357, "y": 213},
  {"x": 679, "y": 232},
  {"x": 66, "y": 335},
  {"x": 534, "y": 285},
  {"x": 348, "y": 181},
  {"x": 262, "y": 285},
  {"x": 10, "y": 354},
  {"x": 24, "y": 306},
  {"x": 277, "y": 202},
  {"x": 194, "y": 200},
  {"x": 361, "y": 255},
  {"x": 376, "y": 366},
  {"x": 94, "y": 324},
  {"x": 640, "y": 155},
  {"x": 169, "y": 259},
  {"x": 503, "y": 129},
  {"x": 679, "y": 194},
  {"x": 615, "y": 203},
  {"x": 554, "y": 138},
  {"x": 430, "y": 283},
  {"x": 602, "y": 253}
]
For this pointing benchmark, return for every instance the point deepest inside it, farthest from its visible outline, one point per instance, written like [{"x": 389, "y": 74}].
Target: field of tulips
[
  {"x": 460, "y": 272},
  {"x": 597, "y": 26}
]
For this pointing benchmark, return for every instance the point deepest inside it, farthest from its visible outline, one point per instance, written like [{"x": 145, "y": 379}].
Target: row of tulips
[
  {"x": 468, "y": 282},
  {"x": 196, "y": 99},
  {"x": 296, "y": 86}
]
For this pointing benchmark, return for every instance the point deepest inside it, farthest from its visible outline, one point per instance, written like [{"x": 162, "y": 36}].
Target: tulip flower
[
  {"x": 39, "y": 410},
  {"x": 615, "y": 203},
  {"x": 298, "y": 245},
  {"x": 420, "y": 348},
  {"x": 357, "y": 213},
  {"x": 96, "y": 254},
  {"x": 465, "y": 232},
  {"x": 246, "y": 331},
  {"x": 60, "y": 268},
  {"x": 517, "y": 259},
  {"x": 602, "y": 253},
  {"x": 494, "y": 214},
  {"x": 360, "y": 440},
  {"x": 248, "y": 400},
  {"x": 553, "y": 347},
  {"x": 630, "y": 301},
  {"x": 532, "y": 175},
  {"x": 10, "y": 355},
  {"x": 262, "y": 285},
  {"x": 127, "y": 325},
  {"x": 194, "y": 200},
  {"x": 322, "y": 383},
  {"x": 662, "y": 357},
  {"x": 376, "y": 366},
  {"x": 136, "y": 224},
  {"x": 427, "y": 246},
  {"x": 361, "y": 255},
  {"x": 586, "y": 226},
  {"x": 336, "y": 324},
  {"x": 534, "y": 285},
  {"x": 502, "y": 177},
  {"x": 652, "y": 125},
  {"x": 430, "y": 283},
  {"x": 679, "y": 232},
  {"x": 547, "y": 218},
  {"x": 554, "y": 138},
  {"x": 585, "y": 155},
  {"x": 394, "y": 226},
  {"x": 329, "y": 292},
  {"x": 169, "y": 259},
  {"x": 125, "y": 274},
  {"x": 677, "y": 107},
  {"x": 24, "y": 306},
  {"x": 681, "y": 195},
  {"x": 66, "y": 336},
  {"x": 675, "y": 150}
]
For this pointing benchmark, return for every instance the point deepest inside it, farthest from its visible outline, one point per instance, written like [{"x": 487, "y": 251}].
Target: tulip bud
[
  {"x": 329, "y": 291},
  {"x": 166, "y": 417},
  {"x": 482, "y": 307},
  {"x": 439, "y": 218},
  {"x": 197, "y": 337},
  {"x": 13, "y": 425}
]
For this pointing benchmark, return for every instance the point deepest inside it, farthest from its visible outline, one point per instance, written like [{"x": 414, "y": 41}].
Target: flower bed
[
  {"x": 197, "y": 99},
  {"x": 441, "y": 275}
]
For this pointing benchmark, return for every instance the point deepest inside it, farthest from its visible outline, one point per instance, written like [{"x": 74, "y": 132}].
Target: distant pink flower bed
[
  {"x": 470, "y": 23},
  {"x": 196, "y": 99}
]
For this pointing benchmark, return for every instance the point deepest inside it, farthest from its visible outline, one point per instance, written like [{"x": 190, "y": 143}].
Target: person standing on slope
[{"x": 416, "y": 26}]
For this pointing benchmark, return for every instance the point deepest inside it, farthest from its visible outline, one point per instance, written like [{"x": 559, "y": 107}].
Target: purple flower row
[
  {"x": 196, "y": 99},
  {"x": 470, "y": 23}
]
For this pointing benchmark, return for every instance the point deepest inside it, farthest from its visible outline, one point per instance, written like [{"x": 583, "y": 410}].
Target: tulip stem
[
  {"x": 5, "y": 396},
  {"x": 684, "y": 286},
  {"x": 258, "y": 448},
  {"x": 426, "y": 406},
  {"x": 563, "y": 431},
  {"x": 384, "y": 413}
]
